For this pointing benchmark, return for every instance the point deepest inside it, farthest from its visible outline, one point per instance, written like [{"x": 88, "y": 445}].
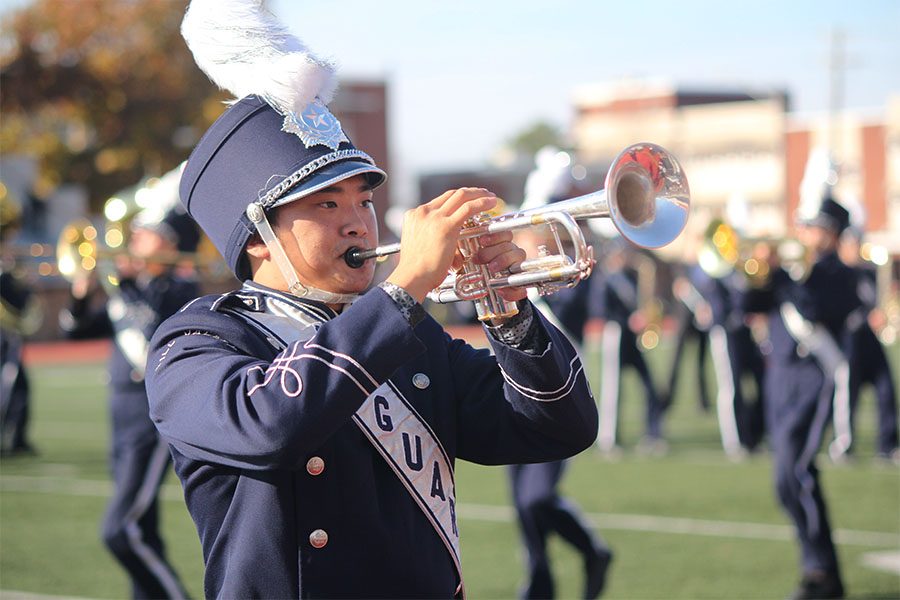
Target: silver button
[
  {"x": 421, "y": 381},
  {"x": 318, "y": 538},
  {"x": 315, "y": 466}
]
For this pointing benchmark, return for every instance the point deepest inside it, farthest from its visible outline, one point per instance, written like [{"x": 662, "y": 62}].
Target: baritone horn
[{"x": 646, "y": 195}]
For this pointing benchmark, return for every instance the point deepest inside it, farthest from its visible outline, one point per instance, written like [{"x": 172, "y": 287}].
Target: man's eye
[
  {"x": 368, "y": 203},
  {"x": 328, "y": 204}
]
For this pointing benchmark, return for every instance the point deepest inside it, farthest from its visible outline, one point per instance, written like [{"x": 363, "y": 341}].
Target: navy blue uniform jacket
[{"x": 242, "y": 456}]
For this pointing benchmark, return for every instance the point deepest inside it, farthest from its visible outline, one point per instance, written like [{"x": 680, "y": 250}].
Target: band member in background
[
  {"x": 314, "y": 421},
  {"x": 694, "y": 318},
  {"x": 866, "y": 355},
  {"x": 616, "y": 302},
  {"x": 807, "y": 319},
  {"x": 540, "y": 508},
  {"x": 20, "y": 316},
  {"x": 148, "y": 291},
  {"x": 736, "y": 357}
]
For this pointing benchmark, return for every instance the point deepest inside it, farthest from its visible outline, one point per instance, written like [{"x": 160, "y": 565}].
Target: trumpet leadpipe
[{"x": 356, "y": 257}]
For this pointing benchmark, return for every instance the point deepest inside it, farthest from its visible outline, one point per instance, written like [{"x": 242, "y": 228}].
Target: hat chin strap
[{"x": 258, "y": 216}]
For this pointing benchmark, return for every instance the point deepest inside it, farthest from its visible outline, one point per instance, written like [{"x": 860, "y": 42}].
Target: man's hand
[
  {"x": 428, "y": 242},
  {"x": 499, "y": 253}
]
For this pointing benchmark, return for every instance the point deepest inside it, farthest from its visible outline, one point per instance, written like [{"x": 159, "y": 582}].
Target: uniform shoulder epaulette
[{"x": 243, "y": 299}]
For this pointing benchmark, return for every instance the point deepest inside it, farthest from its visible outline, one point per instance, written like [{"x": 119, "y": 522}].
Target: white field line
[{"x": 498, "y": 513}]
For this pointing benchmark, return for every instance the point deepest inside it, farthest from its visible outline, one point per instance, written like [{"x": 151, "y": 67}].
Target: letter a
[{"x": 437, "y": 488}]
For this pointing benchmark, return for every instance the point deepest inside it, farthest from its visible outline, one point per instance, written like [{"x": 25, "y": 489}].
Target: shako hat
[
  {"x": 278, "y": 143},
  {"x": 830, "y": 215}
]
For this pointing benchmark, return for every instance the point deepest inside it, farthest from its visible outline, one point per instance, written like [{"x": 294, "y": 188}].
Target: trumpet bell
[{"x": 648, "y": 195}]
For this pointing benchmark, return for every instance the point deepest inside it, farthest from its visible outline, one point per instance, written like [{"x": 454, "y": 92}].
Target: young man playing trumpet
[{"x": 314, "y": 422}]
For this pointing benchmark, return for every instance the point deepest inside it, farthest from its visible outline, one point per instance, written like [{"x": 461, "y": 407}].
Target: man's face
[
  {"x": 317, "y": 230},
  {"x": 144, "y": 243},
  {"x": 816, "y": 238}
]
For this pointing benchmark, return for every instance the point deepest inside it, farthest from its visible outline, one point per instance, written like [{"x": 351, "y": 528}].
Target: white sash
[
  {"x": 387, "y": 419},
  {"x": 825, "y": 350},
  {"x": 411, "y": 449}
]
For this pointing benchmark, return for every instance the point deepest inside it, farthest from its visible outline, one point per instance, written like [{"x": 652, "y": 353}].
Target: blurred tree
[
  {"x": 100, "y": 92},
  {"x": 536, "y": 136}
]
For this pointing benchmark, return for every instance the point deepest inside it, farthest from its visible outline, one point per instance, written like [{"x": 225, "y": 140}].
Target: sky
[{"x": 467, "y": 75}]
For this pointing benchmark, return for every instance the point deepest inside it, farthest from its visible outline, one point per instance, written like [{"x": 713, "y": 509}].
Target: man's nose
[{"x": 356, "y": 224}]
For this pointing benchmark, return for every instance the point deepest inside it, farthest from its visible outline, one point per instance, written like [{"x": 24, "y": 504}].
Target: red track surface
[{"x": 90, "y": 351}]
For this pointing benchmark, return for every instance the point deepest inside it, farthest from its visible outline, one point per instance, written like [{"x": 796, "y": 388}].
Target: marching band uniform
[
  {"x": 315, "y": 433},
  {"x": 616, "y": 299},
  {"x": 869, "y": 364},
  {"x": 20, "y": 316},
  {"x": 735, "y": 354},
  {"x": 139, "y": 458},
  {"x": 16, "y": 302},
  {"x": 691, "y": 324},
  {"x": 806, "y": 321},
  {"x": 539, "y": 507}
]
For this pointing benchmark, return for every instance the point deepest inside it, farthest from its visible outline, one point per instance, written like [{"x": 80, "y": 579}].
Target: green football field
[{"x": 690, "y": 524}]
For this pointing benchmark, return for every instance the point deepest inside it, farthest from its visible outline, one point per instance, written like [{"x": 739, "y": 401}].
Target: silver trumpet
[{"x": 646, "y": 195}]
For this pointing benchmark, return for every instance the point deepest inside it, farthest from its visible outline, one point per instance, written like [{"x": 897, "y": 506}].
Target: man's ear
[{"x": 256, "y": 248}]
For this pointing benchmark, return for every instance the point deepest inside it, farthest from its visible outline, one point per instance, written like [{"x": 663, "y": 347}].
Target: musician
[
  {"x": 807, "y": 320},
  {"x": 147, "y": 292},
  {"x": 736, "y": 356},
  {"x": 19, "y": 316},
  {"x": 540, "y": 508},
  {"x": 694, "y": 318},
  {"x": 867, "y": 359},
  {"x": 314, "y": 422},
  {"x": 616, "y": 302}
]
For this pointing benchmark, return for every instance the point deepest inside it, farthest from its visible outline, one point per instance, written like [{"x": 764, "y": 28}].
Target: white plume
[{"x": 244, "y": 49}]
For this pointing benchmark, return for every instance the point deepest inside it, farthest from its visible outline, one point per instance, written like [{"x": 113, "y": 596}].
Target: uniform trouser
[
  {"x": 687, "y": 330},
  {"x": 735, "y": 355},
  {"x": 620, "y": 350},
  {"x": 798, "y": 409},
  {"x": 542, "y": 511},
  {"x": 869, "y": 364},
  {"x": 139, "y": 462},
  {"x": 14, "y": 397}
]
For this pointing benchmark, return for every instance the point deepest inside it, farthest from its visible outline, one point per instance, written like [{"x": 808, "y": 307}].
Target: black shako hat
[
  {"x": 831, "y": 216},
  {"x": 247, "y": 158}
]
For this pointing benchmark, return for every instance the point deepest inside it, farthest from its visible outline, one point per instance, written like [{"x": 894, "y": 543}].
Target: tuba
[{"x": 646, "y": 196}]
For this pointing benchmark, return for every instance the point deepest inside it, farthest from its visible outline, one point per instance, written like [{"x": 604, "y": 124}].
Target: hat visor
[
  {"x": 820, "y": 220},
  {"x": 330, "y": 175}
]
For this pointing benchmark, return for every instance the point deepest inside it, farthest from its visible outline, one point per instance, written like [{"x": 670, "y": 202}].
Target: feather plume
[{"x": 245, "y": 50}]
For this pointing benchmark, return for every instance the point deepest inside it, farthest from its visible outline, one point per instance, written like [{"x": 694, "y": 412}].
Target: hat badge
[{"x": 315, "y": 125}]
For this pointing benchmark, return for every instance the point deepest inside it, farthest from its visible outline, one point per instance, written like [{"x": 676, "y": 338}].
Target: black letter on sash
[
  {"x": 383, "y": 420},
  {"x": 415, "y": 465},
  {"x": 437, "y": 488},
  {"x": 453, "y": 516}
]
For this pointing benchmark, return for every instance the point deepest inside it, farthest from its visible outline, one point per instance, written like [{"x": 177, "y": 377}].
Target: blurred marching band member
[
  {"x": 539, "y": 507},
  {"x": 147, "y": 292},
  {"x": 867, "y": 359},
  {"x": 807, "y": 320},
  {"x": 19, "y": 317},
  {"x": 314, "y": 421},
  {"x": 616, "y": 302},
  {"x": 735, "y": 355},
  {"x": 694, "y": 318}
]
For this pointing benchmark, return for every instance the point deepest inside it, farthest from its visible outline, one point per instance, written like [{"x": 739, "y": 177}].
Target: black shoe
[
  {"x": 819, "y": 586},
  {"x": 595, "y": 573}
]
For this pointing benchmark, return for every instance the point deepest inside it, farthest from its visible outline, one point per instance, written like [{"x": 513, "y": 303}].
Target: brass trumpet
[
  {"x": 646, "y": 195},
  {"x": 79, "y": 252}
]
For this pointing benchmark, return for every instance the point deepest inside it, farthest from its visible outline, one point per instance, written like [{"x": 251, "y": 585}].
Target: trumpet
[
  {"x": 646, "y": 195},
  {"x": 79, "y": 252}
]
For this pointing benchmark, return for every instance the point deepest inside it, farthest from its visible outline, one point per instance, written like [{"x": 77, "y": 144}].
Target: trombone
[{"x": 646, "y": 195}]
